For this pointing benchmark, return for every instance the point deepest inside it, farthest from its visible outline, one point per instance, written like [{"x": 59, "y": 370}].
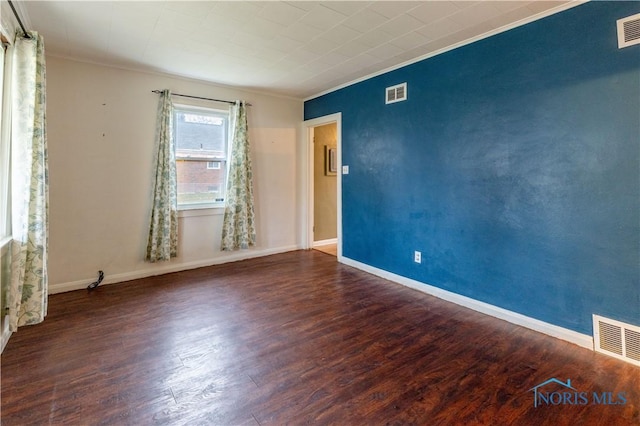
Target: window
[
  {"x": 5, "y": 125},
  {"x": 201, "y": 136},
  {"x": 5, "y": 191}
]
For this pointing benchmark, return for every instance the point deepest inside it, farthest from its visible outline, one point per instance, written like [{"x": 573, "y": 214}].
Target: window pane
[
  {"x": 197, "y": 183},
  {"x": 200, "y": 134},
  {"x": 201, "y": 144}
]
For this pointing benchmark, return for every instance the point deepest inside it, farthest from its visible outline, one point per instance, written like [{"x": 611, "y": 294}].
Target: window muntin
[{"x": 201, "y": 136}]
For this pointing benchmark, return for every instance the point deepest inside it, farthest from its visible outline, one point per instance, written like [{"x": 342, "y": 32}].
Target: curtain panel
[
  {"x": 238, "y": 228},
  {"x": 163, "y": 231},
  {"x": 27, "y": 293}
]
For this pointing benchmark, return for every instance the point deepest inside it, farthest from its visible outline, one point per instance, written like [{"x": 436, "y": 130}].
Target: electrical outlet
[{"x": 417, "y": 257}]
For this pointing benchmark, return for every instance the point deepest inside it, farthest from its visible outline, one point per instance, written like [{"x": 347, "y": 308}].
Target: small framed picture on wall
[{"x": 330, "y": 161}]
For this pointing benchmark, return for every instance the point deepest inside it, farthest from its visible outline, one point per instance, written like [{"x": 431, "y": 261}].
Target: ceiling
[{"x": 297, "y": 48}]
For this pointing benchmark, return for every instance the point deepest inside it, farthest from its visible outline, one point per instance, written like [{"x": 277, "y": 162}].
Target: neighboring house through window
[{"x": 201, "y": 136}]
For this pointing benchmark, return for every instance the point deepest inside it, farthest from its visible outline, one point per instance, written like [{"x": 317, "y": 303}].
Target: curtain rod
[
  {"x": 200, "y": 97},
  {"x": 15, "y": 13}
]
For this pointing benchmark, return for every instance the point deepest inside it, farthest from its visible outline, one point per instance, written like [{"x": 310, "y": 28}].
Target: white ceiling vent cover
[
  {"x": 396, "y": 93},
  {"x": 629, "y": 31},
  {"x": 617, "y": 339}
]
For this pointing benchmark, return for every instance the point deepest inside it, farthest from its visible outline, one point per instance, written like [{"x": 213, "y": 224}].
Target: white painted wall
[{"x": 101, "y": 131}]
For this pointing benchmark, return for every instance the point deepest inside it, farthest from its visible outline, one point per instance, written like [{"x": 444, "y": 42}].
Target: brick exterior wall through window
[{"x": 195, "y": 177}]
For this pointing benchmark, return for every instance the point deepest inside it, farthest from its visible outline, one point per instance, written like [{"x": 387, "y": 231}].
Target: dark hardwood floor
[{"x": 294, "y": 338}]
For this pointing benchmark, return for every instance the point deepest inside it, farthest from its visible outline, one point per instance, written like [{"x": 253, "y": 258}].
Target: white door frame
[{"x": 307, "y": 172}]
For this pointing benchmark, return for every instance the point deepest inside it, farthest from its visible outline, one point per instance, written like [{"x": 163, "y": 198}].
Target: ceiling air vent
[
  {"x": 617, "y": 339},
  {"x": 629, "y": 31},
  {"x": 396, "y": 93}
]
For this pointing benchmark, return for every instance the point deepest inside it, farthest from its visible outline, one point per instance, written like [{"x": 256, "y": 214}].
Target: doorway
[
  {"x": 325, "y": 232},
  {"x": 324, "y": 183}
]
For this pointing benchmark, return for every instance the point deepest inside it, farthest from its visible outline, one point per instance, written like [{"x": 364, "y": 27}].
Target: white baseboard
[
  {"x": 558, "y": 332},
  {"x": 325, "y": 242},
  {"x": 169, "y": 268}
]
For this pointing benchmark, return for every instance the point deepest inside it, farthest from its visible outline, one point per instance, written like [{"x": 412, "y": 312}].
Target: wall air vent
[
  {"x": 396, "y": 93},
  {"x": 629, "y": 31},
  {"x": 617, "y": 339}
]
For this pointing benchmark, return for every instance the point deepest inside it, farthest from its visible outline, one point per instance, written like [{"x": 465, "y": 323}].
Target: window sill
[{"x": 194, "y": 211}]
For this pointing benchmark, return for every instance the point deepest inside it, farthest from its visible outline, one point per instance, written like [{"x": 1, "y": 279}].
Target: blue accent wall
[{"x": 514, "y": 167}]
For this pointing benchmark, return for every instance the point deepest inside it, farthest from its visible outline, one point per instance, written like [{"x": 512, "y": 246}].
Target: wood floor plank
[{"x": 294, "y": 338}]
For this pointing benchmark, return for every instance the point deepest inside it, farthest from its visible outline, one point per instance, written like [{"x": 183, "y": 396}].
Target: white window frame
[
  {"x": 5, "y": 144},
  {"x": 5, "y": 182},
  {"x": 213, "y": 165},
  {"x": 199, "y": 110}
]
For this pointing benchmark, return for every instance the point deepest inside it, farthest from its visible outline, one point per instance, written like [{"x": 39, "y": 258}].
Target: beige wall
[
  {"x": 101, "y": 126},
  {"x": 324, "y": 189}
]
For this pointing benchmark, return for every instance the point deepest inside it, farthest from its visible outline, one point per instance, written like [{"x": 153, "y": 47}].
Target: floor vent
[
  {"x": 629, "y": 31},
  {"x": 617, "y": 339},
  {"x": 396, "y": 93}
]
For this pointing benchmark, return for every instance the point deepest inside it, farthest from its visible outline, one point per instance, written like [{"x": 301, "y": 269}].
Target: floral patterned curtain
[
  {"x": 238, "y": 228},
  {"x": 27, "y": 293},
  {"x": 163, "y": 232}
]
